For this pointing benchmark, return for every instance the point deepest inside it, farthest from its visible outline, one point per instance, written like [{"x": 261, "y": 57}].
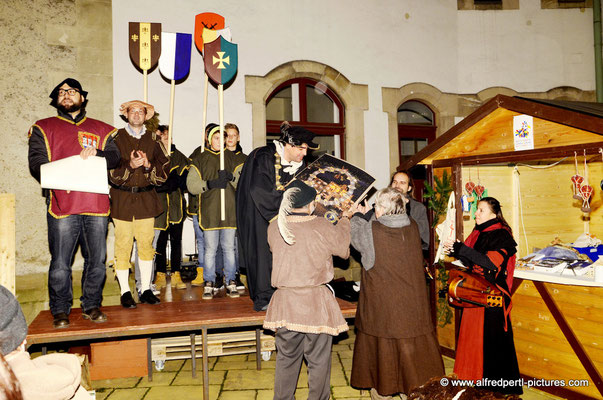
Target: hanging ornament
[
  {"x": 479, "y": 189},
  {"x": 469, "y": 186},
  {"x": 577, "y": 180},
  {"x": 586, "y": 190}
]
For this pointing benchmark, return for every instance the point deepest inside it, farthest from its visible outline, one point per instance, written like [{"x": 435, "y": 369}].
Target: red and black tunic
[{"x": 485, "y": 346}]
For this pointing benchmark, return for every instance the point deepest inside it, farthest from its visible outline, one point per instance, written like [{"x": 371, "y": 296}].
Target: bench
[{"x": 153, "y": 320}]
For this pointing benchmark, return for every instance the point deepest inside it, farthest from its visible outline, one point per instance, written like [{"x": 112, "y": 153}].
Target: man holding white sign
[{"x": 73, "y": 215}]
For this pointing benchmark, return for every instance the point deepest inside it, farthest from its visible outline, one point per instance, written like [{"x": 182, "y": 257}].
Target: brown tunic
[
  {"x": 127, "y": 205},
  {"x": 396, "y": 348},
  {"x": 302, "y": 302}
]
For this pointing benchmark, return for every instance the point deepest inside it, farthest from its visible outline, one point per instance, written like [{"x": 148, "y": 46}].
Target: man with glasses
[
  {"x": 73, "y": 217},
  {"x": 260, "y": 190},
  {"x": 144, "y": 165}
]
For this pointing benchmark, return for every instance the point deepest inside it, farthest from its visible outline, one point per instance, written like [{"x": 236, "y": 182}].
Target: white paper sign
[
  {"x": 523, "y": 132},
  {"x": 75, "y": 173}
]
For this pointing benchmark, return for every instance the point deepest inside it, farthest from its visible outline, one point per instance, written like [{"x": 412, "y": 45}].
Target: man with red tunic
[{"x": 73, "y": 216}]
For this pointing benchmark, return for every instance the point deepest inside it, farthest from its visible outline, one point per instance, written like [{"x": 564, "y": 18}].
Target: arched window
[
  {"x": 416, "y": 128},
  {"x": 313, "y": 105}
]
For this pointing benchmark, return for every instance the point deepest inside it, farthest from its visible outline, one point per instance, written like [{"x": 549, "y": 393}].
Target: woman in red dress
[{"x": 485, "y": 346}]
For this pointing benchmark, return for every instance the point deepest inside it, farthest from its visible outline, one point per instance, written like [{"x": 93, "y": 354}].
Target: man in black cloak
[{"x": 263, "y": 179}]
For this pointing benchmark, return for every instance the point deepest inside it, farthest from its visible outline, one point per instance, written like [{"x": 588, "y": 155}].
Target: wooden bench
[{"x": 168, "y": 317}]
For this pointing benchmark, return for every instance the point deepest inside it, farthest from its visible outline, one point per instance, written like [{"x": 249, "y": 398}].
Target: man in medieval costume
[{"x": 260, "y": 190}]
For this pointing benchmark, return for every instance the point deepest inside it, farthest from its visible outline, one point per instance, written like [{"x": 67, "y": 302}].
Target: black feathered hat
[
  {"x": 296, "y": 136},
  {"x": 304, "y": 196},
  {"x": 54, "y": 95}
]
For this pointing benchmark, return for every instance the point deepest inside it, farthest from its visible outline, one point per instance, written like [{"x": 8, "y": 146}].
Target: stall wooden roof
[{"x": 486, "y": 135}]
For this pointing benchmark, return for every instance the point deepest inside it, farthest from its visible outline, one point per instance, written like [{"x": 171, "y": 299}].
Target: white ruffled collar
[{"x": 288, "y": 167}]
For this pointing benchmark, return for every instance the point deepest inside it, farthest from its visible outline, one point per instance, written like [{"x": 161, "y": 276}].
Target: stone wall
[{"x": 43, "y": 42}]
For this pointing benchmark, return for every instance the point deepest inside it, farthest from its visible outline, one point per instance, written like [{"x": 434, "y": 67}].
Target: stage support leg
[
  {"x": 258, "y": 349},
  {"x": 193, "y": 358},
  {"x": 205, "y": 365},
  {"x": 149, "y": 360}
]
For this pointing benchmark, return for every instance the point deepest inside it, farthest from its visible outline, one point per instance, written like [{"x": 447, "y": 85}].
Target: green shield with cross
[{"x": 221, "y": 60}]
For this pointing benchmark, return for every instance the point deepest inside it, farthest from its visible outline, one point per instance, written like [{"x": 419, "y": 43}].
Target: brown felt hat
[{"x": 123, "y": 109}]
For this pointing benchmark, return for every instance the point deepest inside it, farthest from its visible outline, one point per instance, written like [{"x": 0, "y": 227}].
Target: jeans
[
  {"x": 199, "y": 237},
  {"x": 63, "y": 237},
  {"x": 225, "y": 238}
]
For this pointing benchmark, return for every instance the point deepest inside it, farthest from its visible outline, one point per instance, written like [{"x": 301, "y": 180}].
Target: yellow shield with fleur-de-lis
[{"x": 144, "y": 40}]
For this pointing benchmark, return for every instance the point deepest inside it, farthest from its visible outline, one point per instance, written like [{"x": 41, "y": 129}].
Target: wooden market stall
[{"x": 557, "y": 326}]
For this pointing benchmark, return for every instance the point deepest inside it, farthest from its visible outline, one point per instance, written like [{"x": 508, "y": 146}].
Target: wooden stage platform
[{"x": 168, "y": 317}]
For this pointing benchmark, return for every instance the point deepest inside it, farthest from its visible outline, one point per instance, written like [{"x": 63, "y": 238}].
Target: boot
[
  {"x": 176, "y": 281},
  {"x": 198, "y": 281},
  {"x": 160, "y": 282}
]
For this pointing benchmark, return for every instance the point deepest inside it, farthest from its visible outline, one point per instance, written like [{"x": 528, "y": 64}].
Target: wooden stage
[{"x": 168, "y": 317}]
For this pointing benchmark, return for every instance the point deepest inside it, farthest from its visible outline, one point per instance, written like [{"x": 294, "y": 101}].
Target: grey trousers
[{"x": 292, "y": 347}]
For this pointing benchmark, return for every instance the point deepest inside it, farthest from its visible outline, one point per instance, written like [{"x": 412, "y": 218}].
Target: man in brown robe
[{"x": 396, "y": 348}]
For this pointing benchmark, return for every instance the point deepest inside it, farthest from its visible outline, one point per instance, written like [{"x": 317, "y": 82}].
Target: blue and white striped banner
[{"x": 175, "y": 60}]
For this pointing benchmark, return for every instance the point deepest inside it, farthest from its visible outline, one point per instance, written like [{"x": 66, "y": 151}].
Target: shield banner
[
  {"x": 209, "y": 21},
  {"x": 144, "y": 39},
  {"x": 221, "y": 60},
  {"x": 211, "y": 35},
  {"x": 175, "y": 60}
]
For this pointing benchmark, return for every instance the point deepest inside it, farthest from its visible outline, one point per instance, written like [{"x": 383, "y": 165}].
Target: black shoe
[
  {"x": 127, "y": 301},
  {"x": 240, "y": 285},
  {"x": 95, "y": 315},
  {"x": 61, "y": 320},
  {"x": 219, "y": 283},
  {"x": 149, "y": 298}
]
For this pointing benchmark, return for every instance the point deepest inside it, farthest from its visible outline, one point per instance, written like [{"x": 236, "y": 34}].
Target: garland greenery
[{"x": 437, "y": 201}]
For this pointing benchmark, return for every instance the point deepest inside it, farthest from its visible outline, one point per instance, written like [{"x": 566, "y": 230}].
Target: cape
[{"x": 258, "y": 195}]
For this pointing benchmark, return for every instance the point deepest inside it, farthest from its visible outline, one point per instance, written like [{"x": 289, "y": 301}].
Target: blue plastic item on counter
[{"x": 592, "y": 252}]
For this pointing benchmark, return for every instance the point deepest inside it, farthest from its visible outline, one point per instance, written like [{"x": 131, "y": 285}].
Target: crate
[
  {"x": 218, "y": 344},
  {"x": 120, "y": 359}
]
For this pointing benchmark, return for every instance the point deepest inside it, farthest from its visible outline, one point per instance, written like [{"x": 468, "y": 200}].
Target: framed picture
[{"x": 338, "y": 183}]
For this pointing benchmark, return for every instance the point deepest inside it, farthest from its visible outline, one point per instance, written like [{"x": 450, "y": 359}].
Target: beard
[{"x": 70, "y": 108}]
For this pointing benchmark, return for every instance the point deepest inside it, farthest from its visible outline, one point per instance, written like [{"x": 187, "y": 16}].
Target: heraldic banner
[
  {"x": 175, "y": 60},
  {"x": 221, "y": 60}
]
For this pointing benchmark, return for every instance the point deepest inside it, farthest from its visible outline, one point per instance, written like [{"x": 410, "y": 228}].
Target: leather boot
[
  {"x": 160, "y": 281},
  {"x": 198, "y": 281},
  {"x": 176, "y": 281}
]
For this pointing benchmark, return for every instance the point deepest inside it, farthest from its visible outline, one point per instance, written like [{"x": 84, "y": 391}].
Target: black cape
[{"x": 259, "y": 197}]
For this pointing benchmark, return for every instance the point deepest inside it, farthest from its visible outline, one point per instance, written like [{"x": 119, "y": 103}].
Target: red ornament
[
  {"x": 469, "y": 186},
  {"x": 586, "y": 191},
  {"x": 479, "y": 190},
  {"x": 577, "y": 181}
]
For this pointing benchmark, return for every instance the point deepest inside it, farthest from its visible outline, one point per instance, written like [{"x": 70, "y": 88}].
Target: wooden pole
[
  {"x": 7, "y": 241},
  {"x": 222, "y": 191},
  {"x": 172, "y": 91},
  {"x": 146, "y": 86},
  {"x": 204, "y": 112}
]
